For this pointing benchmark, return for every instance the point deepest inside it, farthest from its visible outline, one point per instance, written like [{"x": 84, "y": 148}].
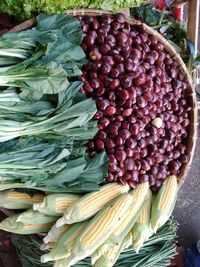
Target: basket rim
[{"x": 192, "y": 137}]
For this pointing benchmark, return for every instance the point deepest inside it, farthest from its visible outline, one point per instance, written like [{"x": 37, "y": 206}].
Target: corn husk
[
  {"x": 88, "y": 205},
  {"x": 139, "y": 197},
  {"x": 55, "y": 204},
  {"x": 34, "y": 217},
  {"x": 110, "y": 257},
  {"x": 99, "y": 229},
  {"x": 60, "y": 263},
  {"x": 141, "y": 231},
  {"x": 12, "y": 199},
  {"x": 10, "y": 224},
  {"x": 164, "y": 203},
  {"x": 55, "y": 233},
  {"x": 47, "y": 246},
  {"x": 64, "y": 244}
]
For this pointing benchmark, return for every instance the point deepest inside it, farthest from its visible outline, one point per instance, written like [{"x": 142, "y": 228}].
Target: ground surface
[{"x": 187, "y": 210}]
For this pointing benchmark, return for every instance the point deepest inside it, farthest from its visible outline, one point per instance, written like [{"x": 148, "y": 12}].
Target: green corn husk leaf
[
  {"x": 47, "y": 246},
  {"x": 55, "y": 204},
  {"x": 99, "y": 229},
  {"x": 89, "y": 204},
  {"x": 110, "y": 257},
  {"x": 141, "y": 231},
  {"x": 10, "y": 224},
  {"x": 55, "y": 233},
  {"x": 164, "y": 203},
  {"x": 64, "y": 244},
  {"x": 35, "y": 218},
  {"x": 101, "y": 250},
  {"x": 12, "y": 199}
]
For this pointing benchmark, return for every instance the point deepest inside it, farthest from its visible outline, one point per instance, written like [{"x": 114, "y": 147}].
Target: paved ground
[{"x": 187, "y": 210}]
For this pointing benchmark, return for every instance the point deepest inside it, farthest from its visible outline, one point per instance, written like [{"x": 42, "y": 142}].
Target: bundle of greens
[
  {"x": 44, "y": 120},
  {"x": 24, "y": 9},
  {"x": 71, "y": 117},
  {"x": 158, "y": 251},
  {"x": 51, "y": 53}
]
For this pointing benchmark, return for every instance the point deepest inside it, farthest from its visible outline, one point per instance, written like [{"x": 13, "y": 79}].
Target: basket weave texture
[{"x": 190, "y": 93}]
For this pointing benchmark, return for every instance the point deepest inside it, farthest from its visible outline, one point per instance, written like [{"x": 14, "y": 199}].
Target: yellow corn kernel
[
  {"x": 91, "y": 203},
  {"x": 164, "y": 203},
  {"x": 11, "y": 199},
  {"x": 99, "y": 229},
  {"x": 55, "y": 204},
  {"x": 55, "y": 233}
]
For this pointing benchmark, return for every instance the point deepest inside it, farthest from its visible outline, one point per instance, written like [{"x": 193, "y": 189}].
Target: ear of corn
[
  {"x": 141, "y": 231},
  {"x": 164, "y": 203},
  {"x": 99, "y": 229},
  {"x": 64, "y": 244},
  {"x": 34, "y": 217},
  {"x": 55, "y": 233},
  {"x": 109, "y": 258},
  {"x": 91, "y": 203},
  {"x": 55, "y": 204},
  {"x": 10, "y": 224},
  {"x": 139, "y": 197},
  {"x": 11, "y": 199}
]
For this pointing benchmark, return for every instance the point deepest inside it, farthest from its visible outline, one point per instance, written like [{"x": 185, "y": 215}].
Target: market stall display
[{"x": 143, "y": 128}]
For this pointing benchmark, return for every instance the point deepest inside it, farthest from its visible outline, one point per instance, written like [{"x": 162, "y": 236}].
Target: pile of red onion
[{"x": 143, "y": 114}]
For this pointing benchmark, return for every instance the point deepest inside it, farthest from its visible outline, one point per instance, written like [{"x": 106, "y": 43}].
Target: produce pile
[
  {"x": 99, "y": 225},
  {"x": 143, "y": 113},
  {"x": 94, "y": 122},
  {"x": 23, "y": 9},
  {"x": 156, "y": 252}
]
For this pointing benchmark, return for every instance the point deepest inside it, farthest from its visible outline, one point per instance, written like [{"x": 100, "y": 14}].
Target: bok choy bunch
[
  {"x": 42, "y": 59},
  {"x": 70, "y": 118}
]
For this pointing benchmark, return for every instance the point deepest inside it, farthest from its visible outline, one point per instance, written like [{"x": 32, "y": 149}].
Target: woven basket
[{"x": 190, "y": 93}]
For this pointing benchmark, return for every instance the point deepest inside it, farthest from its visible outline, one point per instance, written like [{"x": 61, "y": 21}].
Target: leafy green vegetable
[
  {"x": 71, "y": 118},
  {"x": 51, "y": 54},
  {"x": 24, "y": 9},
  {"x": 115, "y": 5},
  {"x": 74, "y": 175}
]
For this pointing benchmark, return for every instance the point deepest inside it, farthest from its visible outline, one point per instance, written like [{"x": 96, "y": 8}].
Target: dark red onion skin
[{"x": 134, "y": 81}]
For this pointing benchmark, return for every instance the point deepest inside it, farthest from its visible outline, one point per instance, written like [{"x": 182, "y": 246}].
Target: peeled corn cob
[
  {"x": 10, "y": 224},
  {"x": 141, "y": 231},
  {"x": 34, "y": 217},
  {"x": 91, "y": 203},
  {"x": 139, "y": 197},
  {"x": 55, "y": 233},
  {"x": 164, "y": 203},
  {"x": 109, "y": 258},
  {"x": 64, "y": 244},
  {"x": 11, "y": 199},
  {"x": 55, "y": 204},
  {"x": 99, "y": 229}
]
